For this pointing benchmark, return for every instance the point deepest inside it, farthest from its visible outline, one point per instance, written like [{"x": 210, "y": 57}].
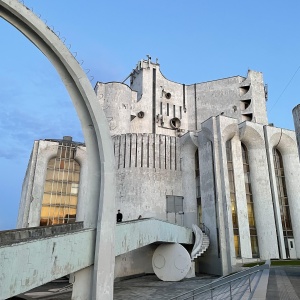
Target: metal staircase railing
[
  {"x": 225, "y": 287},
  {"x": 204, "y": 228}
]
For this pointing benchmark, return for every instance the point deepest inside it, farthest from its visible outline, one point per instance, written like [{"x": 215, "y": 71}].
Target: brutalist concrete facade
[{"x": 170, "y": 140}]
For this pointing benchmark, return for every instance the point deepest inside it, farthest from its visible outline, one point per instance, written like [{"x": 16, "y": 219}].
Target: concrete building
[{"x": 188, "y": 154}]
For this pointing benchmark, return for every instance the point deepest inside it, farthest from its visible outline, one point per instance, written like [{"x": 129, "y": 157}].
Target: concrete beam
[
  {"x": 135, "y": 234},
  {"x": 26, "y": 265}
]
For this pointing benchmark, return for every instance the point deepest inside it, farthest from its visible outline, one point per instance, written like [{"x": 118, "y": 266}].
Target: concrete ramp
[
  {"x": 138, "y": 233},
  {"x": 29, "y": 263},
  {"x": 31, "y": 257}
]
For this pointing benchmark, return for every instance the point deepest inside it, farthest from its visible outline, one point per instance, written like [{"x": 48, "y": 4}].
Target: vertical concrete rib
[
  {"x": 122, "y": 151},
  {"x": 154, "y": 101},
  {"x": 117, "y": 150},
  {"x": 151, "y": 150},
  {"x": 168, "y": 153},
  {"x": 183, "y": 100},
  {"x": 172, "y": 156},
  {"x": 145, "y": 150},
  {"x": 127, "y": 150},
  {"x": 157, "y": 151},
  {"x": 133, "y": 151},
  {"x": 162, "y": 151},
  {"x": 139, "y": 150},
  {"x": 177, "y": 154},
  {"x": 195, "y": 98}
]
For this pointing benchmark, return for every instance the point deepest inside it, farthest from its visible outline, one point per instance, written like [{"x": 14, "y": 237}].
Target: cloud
[{"x": 22, "y": 120}]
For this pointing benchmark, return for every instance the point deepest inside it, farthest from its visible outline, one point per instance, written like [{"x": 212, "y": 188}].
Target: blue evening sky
[{"x": 194, "y": 40}]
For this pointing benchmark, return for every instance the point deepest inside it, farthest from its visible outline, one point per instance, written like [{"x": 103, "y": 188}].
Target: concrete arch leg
[{"x": 100, "y": 202}]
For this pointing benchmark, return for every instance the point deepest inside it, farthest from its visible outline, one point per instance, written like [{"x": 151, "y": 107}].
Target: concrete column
[
  {"x": 225, "y": 130},
  {"x": 292, "y": 176},
  {"x": 188, "y": 150},
  {"x": 296, "y": 116},
  {"x": 285, "y": 142},
  {"x": 212, "y": 260},
  {"x": 252, "y": 136},
  {"x": 218, "y": 256},
  {"x": 241, "y": 201}
]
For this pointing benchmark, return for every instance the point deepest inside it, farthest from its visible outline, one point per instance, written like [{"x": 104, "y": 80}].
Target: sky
[{"x": 194, "y": 41}]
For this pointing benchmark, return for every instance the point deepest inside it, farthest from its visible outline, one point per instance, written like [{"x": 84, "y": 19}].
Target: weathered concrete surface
[
  {"x": 26, "y": 265},
  {"x": 171, "y": 262},
  {"x": 31, "y": 257},
  {"x": 135, "y": 234},
  {"x": 21, "y": 235}
]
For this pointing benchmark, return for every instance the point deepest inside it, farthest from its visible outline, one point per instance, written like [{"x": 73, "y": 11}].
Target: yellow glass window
[{"x": 61, "y": 187}]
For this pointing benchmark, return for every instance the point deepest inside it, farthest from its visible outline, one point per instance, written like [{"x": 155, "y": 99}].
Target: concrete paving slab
[
  {"x": 143, "y": 287},
  {"x": 284, "y": 283}
]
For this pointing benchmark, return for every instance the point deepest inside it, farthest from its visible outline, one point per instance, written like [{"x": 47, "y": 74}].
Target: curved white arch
[{"x": 100, "y": 205}]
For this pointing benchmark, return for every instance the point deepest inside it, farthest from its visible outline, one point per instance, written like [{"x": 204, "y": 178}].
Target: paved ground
[
  {"x": 284, "y": 283},
  {"x": 144, "y": 287},
  {"x": 150, "y": 287}
]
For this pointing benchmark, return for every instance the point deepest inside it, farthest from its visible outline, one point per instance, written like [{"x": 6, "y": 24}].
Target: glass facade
[
  {"x": 250, "y": 204},
  {"x": 233, "y": 200},
  {"x": 282, "y": 195},
  {"x": 61, "y": 187}
]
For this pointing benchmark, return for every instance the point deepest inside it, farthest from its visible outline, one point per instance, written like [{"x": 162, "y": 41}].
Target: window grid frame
[{"x": 63, "y": 167}]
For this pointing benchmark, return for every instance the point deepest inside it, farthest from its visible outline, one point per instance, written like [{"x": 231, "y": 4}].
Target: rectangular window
[{"x": 174, "y": 204}]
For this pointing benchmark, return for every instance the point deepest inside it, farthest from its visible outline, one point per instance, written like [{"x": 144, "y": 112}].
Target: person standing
[{"x": 119, "y": 216}]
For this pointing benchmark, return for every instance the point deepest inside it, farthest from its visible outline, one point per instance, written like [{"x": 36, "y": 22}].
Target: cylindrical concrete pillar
[{"x": 296, "y": 116}]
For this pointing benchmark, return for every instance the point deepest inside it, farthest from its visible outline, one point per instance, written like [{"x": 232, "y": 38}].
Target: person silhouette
[{"x": 119, "y": 216}]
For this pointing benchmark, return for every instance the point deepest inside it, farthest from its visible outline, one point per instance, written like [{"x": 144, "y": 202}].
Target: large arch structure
[{"x": 100, "y": 204}]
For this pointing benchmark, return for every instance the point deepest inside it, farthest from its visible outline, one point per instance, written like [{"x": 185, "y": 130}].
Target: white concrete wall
[
  {"x": 192, "y": 104},
  {"x": 25, "y": 200},
  {"x": 116, "y": 101},
  {"x": 258, "y": 97},
  {"x": 148, "y": 169},
  {"x": 135, "y": 262}
]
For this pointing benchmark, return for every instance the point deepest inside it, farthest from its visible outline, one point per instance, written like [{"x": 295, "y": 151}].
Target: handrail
[
  {"x": 204, "y": 228},
  {"x": 198, "y": 241},
  {"x": 223, "y": 281}
]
